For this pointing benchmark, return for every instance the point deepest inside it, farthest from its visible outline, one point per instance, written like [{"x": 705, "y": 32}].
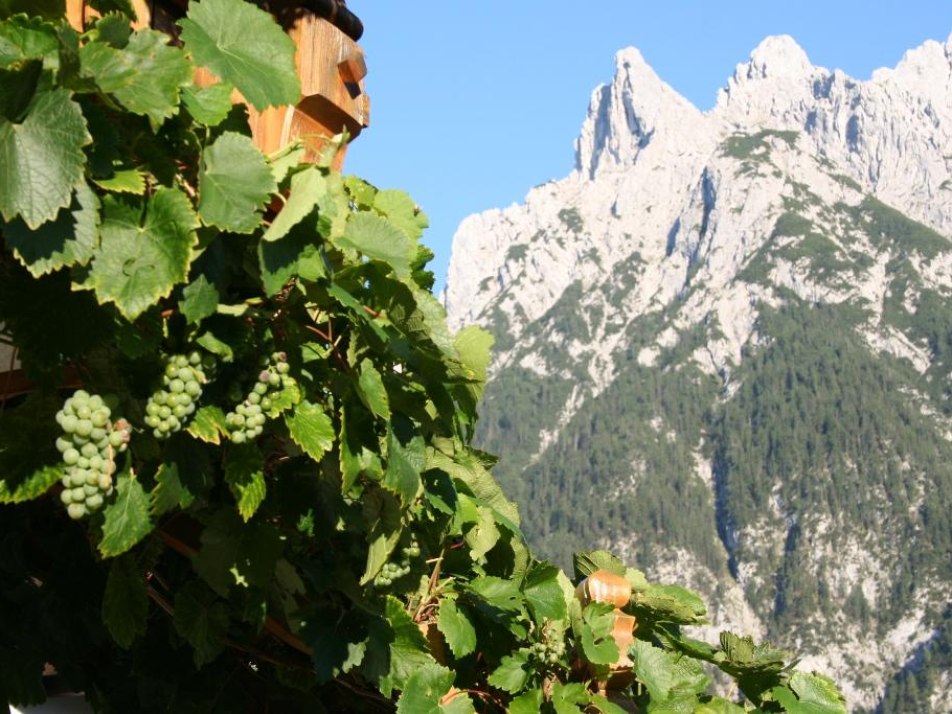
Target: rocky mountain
[{"x": 724, "y": 346}]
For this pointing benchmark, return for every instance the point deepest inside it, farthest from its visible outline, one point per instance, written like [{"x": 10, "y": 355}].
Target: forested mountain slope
[{"x": 723, "y": 349}]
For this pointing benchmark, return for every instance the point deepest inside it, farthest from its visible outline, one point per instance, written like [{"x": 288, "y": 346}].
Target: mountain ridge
[{"x": 637, "y": 302}]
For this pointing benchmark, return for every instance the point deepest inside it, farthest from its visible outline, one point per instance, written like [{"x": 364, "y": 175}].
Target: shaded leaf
[
  {"x": 125, "y": 603},
  {"x": 404, "y": 464},
  {"x": 308, "y": 189},
  {"x": 598, "y": 644},
  {"x": 202, "y": 620},
  {"x": 244, "y": 46},
  {"x": 544, "y": 594},
  {"x": 127, "y": 518},
  {"x": 23, "y": 38},
  {"x": 372, "y": 391},
  {"x": 32, "y": 487},
  {"x": 199, "y": 300},
  {"x": 512, "y": 674},
  {"x": 70, "y": 239},
  {"x": 244, "y": 473}
]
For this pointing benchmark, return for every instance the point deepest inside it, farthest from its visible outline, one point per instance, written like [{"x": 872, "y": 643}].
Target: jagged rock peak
[
  {"x": 626, "y": 115},
  {"x": 776, "y": 56}
]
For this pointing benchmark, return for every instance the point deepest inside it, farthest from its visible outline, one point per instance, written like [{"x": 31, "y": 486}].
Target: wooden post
[{"x": 604, "y": 586}]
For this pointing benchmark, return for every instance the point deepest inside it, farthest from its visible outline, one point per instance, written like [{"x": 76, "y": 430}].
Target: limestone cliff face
[{"x": 678, "y": 256}]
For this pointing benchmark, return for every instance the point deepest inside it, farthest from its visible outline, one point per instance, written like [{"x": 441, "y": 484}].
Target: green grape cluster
[
  {"x": 247, "y": 420},
  {"x": 547, "y": 653},
  {"x": 168, "y": 410},
  {"x": 89, "y": 446},
  {"x": 393, "y": 571}
]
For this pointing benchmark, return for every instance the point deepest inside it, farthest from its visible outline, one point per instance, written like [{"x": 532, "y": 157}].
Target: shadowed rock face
[{"x": 696, "y": 265}]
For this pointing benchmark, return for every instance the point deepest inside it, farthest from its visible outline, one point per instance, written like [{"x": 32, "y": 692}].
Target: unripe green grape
[
  {"x": 70, "y": 456},
  {"x": 76, "y": 510}
]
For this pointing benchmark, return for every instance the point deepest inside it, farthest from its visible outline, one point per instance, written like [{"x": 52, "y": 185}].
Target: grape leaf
[
  {"x": 512, "y": 674},
  {"x": 169, "y": 492},
  {"x": 815, "y": 694},
  {"x": 500, "y": 593},
  {"x": 378, "y": 239},
  {"x": 208, "y": 105},
  {"x": 141, "y": 259},
  {"x": 146, "y": 76},
  {"x": 424, "y": 689},
  {"x": 244, "y": 473},
  {"x": 407, "y": 649},
  {"x": 70, "y": 239},
  {"x": 125, "y": 602},
  {"x": 308, "y": 188},
  {"x": 338, "y": 641},
  {"x": 401, "y": 211},
  {"x": 23, "y": 38},
  {"x": 41, "y": 158},
  {"x": 403, "y": 468},
  {"x": 123, "y": 181},
  {"x": 372, "y": 391},
  {"x": 527, "y": 703},
  {"x": 199, "y": 300},
  {"x": 483, "y": 536},
  {"x": 201, "y": 620},
  {"x": 282, "y": 259},
  {"x": 234, "y": 184},
  {"x": 587, "y": 562},
  {"x": 127, "y": 518},
  {"x": 544, "y": 593},
  {"x": 32, "y": 487},
  {"x": 653, "y": 669},
  {"x": 312, "y": 429},
  {"x": 244, "y": 46},
  {"x": 457, "y": 629},
  {"x": 107, "y": 6},
  {"x": 598, "y": 622}
]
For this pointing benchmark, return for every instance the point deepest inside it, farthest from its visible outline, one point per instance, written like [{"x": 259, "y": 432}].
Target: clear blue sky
[{"x": 476, "y": 101}]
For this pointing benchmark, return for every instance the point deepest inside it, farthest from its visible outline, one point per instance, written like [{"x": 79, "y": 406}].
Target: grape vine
[{"x": 293, "y": 518}]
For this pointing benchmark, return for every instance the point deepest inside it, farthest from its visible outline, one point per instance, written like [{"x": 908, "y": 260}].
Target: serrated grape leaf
[
  {"x": 146, "y": 76},
  {"x": 285, "y": 159},
  {"x": 284, "y": 399},
  {"x": 483, "y": 536},
  {"x": 653, "y": 668},
  {"x": 457, "y": 628},
  {"x": 474, "y": 346},
  {"x": 378, "y": 239},
  {"x": 23, "y": 38},
  {"x": 401, "y": 211},
  {"x": 233, "y": 552},
  {"x": 382, "y": 544},
  {"x": 512, "y": 674},
  {"x": 125, "y": 603},
  {"x": 169, "y": 492},
  {"x": 598, "y": 703},
  {"x": 670, "y": 603},
  {"x": 243, "y": 45},
  {"x": 466, "y": 469},
  {"x": 41, "y": 158},
  {"x": 308, "y": 189},
  {"x": 587, "y": 562},
  {"x": 69, "y": 239},
  {"x": 113, "y": 29},
  {"x": 598, "y": 644},
  {"x": 312, "y": 429},
  {"x": 815, "y": 694},
  {"x": 408, "y": 649},
  {"x": 202, "y": 620},
  {"x": 568, "y": 698},
  {"x": 424, "y": 689},
  {"x": 123, "y": 181},
  {"x": 199, "y": 300},
  {"x": 337, "y": 639},
  {"x": 500, "y": 593},
  {"x": 527, "y": 703},
  {"x": 372, "y": 391},
  {"x": 127, "y": 518},
  {"x": 404, "y": 464},
  {"x": 244, "y": 473},
  {"x": 234, "y": 184},
  {"x": 140, "y": 259},
  {"x": 284, "y": 259},
  {"x": 32, "y": 487},
  {"x": 208, "y": 105},
  {"x": 544, "y": 593}
]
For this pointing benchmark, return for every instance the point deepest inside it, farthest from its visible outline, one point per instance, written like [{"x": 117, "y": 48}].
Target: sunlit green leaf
[
  {"x": 234, "y": 185},
  {"x": 244, "y": 46}
]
